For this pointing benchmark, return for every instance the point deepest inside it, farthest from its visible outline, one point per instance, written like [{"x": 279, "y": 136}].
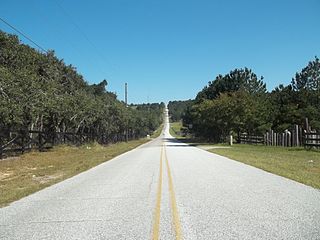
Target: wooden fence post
[{"x": 307, "y": 125}]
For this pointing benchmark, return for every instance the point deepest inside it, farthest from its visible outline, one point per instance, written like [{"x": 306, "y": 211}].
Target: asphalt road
[{"x": 167, "y": 190}]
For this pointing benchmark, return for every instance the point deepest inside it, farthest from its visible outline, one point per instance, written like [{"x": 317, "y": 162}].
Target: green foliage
[
  {"x": 306, "y": 87},
  {"x": 177, "y": 109},
  {"x": 39, "y": 91},
  {"x": 230, "y": 112},
  {"x": 285, "y": 105},
  {"x": 238, "y": 102},
  {"x": 300, "y": 100},
  {"x": 148, "y": 117},
  {"x": 309, "y": 78},
  {"x": 238, "y": 79}
]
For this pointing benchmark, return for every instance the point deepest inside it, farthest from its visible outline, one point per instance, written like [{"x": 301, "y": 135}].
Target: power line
[
  {"x": 85, "y": 36},
  {"x": 21, "y": 33},
  {"x": 77, "y": 27}
]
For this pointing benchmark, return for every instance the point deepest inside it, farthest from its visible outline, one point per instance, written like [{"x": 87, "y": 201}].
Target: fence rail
[{"x": 312, "y": 140}]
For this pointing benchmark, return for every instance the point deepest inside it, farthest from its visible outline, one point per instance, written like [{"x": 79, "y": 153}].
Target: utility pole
[{"x": 126, "y": 102}]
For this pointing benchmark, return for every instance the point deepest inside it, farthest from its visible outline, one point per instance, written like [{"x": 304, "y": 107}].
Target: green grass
[
  {"x": 31, "y": 172},
  {"x": 175, "y": 129},
  {"x": 157, "y": 132},
  {"x": 295, "y": 163}
]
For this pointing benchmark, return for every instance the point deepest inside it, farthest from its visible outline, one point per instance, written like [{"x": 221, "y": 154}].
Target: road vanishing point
[{"x": 167, "y": 190}]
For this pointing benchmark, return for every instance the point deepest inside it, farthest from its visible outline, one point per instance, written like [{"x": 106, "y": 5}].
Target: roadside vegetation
[
  {"x": 176, "y": 129},
  {"x": 39, "y": 91},
  {"x": 178, "y": 109},
  {"x": 181, "y": 133},
  {"x": 238, "y": 102},
  {"x": 295, "y": 163},
  {"x": 157, "y": 132},
  {"x": 31, "y": 172}
]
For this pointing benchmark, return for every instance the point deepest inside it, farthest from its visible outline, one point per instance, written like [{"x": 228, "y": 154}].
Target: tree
[
  {"x": 39, "y": 91},
  {"x": 309, "y": 78},
  {"x": 233, "y": 112},
  {"x": 177, "y": 109},
  {"x": 238, "y": 79}
]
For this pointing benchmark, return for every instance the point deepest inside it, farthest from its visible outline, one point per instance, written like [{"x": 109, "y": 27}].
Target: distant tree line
[
  {"x": 39, "y": 91},
  {"x": 239, "y": 102},
  {"x": 178, "y": 109}
]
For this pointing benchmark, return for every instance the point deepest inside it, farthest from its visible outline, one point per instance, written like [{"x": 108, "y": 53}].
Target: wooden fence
[
  {"x": 13, "y": 142},
  {"x": 312, "y": 139},
  {"x": 295, "y": 137}
]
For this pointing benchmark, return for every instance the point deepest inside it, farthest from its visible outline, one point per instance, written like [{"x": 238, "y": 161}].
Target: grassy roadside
[
  {"x": 157, "y": 132},
  {"x": 175, "y": 130},
  {"x": 295, "y": 163},
  {"x": 31, "y": 172}
]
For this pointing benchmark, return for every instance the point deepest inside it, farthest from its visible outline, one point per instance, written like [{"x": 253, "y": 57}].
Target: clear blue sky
[{"x": 170, "y": 49}]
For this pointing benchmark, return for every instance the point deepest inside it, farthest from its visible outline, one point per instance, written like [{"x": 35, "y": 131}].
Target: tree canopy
[
  {"x": 177, "y": 109},
  {"x": 238, "y": 79},
  {"x": 39, "y": 91},
  {"x": 239, "y": 102}
]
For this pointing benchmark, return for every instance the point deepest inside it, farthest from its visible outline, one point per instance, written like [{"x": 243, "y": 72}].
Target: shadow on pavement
[{"x": 174, "y": 142}]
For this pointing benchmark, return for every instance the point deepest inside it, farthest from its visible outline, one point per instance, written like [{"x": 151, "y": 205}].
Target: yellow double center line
[
  {"x": 156, "y": 221},
  {"x": 175, "y": 214}
]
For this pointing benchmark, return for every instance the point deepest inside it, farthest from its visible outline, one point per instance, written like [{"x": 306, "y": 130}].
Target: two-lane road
[{"x": 167, "y": 190}]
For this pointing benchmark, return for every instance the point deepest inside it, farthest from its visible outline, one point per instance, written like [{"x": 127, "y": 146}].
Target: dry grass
[
  {"x": 21, "y": 176},
  {"x": 295, "y": 163}
]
